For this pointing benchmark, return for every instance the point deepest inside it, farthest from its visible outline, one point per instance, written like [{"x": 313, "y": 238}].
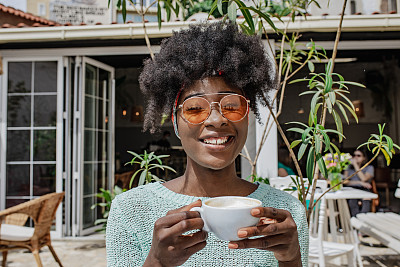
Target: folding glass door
[
  {"x": 31, "y": 130},
  {"x": 93, "y": 141}
]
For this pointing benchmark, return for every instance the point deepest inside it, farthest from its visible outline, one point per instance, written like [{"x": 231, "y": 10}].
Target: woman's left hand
[{"x": 280, "y": 237}]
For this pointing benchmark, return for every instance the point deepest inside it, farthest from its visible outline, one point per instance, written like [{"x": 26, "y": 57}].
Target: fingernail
[
  {"x": 255, "y": 212},
  {"x": 242, "y": 233},
  {"x": 233, "y": 246}
]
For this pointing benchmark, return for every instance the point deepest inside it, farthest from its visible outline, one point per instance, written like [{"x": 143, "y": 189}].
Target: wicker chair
[{"x": 13, "y": 233}]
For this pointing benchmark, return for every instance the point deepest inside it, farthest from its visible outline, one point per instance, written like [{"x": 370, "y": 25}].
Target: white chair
[{"x": 321, "y": 252}]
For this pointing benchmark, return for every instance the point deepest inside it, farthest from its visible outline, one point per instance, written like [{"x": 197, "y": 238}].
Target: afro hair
[{"x": 202, "y": 51}]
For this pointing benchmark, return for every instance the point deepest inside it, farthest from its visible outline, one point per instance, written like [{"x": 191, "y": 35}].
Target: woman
[
  {"x": 207, "y": 77},
  {"x": 362, "y": 180}
]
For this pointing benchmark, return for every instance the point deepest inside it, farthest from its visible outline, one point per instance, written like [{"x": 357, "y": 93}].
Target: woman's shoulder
[{"x": 137, "y": 194}]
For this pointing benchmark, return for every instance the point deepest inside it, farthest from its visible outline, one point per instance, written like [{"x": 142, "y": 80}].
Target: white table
[{"x": 339, "y": 215}]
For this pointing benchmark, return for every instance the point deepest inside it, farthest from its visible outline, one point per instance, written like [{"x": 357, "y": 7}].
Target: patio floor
[{"x": 81, "y": 252}]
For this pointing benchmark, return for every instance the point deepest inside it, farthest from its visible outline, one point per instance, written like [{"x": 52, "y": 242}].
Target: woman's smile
[{"x": 218, "y": 143}]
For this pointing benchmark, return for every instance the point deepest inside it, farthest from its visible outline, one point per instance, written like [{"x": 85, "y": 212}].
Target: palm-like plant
[{"x": 147, "y": 163}]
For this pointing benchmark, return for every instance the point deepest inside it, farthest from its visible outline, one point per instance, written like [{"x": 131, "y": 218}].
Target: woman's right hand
[{"x": 170, "y": 247}]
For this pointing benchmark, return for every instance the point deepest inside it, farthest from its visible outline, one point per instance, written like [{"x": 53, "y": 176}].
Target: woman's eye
[
  {"x": 194, "y": 108},
  {"x": 231, "y": 106}
]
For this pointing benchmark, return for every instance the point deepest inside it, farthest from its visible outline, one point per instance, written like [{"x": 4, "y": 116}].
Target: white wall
[{"x": 366, "y": 7}]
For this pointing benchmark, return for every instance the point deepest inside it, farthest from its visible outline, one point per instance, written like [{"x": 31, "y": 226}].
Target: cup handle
[{"x": 200, "y": 210}]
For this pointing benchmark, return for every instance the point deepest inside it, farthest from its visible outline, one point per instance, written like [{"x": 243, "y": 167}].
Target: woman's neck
[{"x": 204, "y": 182}]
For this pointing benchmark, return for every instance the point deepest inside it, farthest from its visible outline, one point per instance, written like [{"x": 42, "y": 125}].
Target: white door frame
[{"x": 59, "y": 130}]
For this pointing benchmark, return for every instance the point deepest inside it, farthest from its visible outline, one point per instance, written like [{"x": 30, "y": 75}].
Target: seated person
[
  {"x": 284, "y": 161},
  {"x": 362, "y": 180}
]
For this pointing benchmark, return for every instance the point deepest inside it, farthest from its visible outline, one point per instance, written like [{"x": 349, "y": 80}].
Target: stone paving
[{"x": 83, "y": 252}]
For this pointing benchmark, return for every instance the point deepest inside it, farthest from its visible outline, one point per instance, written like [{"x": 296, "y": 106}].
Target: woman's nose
[{"x": 215, "y": 119}]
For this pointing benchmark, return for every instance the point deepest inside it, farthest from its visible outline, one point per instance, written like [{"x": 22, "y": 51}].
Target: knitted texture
[{"x": 133, "y": 214}]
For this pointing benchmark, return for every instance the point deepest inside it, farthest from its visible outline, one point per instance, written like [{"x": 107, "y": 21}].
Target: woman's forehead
[{"x": 209, "y": 86}]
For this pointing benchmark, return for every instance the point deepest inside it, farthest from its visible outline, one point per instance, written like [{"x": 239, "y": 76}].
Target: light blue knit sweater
[{"x": 133, "y": 213}]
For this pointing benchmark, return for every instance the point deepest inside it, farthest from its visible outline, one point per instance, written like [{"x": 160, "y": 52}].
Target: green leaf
[
  {"x": 314, "y": 101},
  {"x": 295, "y": 143},
  {"x": 159, "y": 15},
  {"x": 136, "y": 155},
  {"x": 322, "y": 166},
  {"x": 317, "y": 143},
  {"x": 232, "y": 11},
  {"x": 142, "y": 178},
  {"x": 310, "y": 165},
  {"x": 339, "y": 125},
  {"x": 246, "y": 14},
  {"x": 327, "y": 141},
  {"x": 336, "y": 148},
  {"x": 332, "y": 97},
  {"x": 245, "y": 29},
  {"x": 387, "y": 157},
  {"x": 305, "y": 134},
  {"x": 343, "y": 111},
  {"x": 298, "y": 80},
  {"x": 155, "y": 178},
  {"x": 328, "y": 84},
  {"x": 213, "y": 8},
  {"x": 99, "y": 221},
  {"x": 133, "y": 177},
  {"x": 350, "y": 109},
  {"x": 297, "y": 130},
  {"x": 124, "y": 10},
  {"x": 353, "y": 83},
  {"x": 307, "y": 93},
  {"x": 262, "y": 15},
  {"x": 302, "y": 149},
  {"x": 297, "y": 122},
  {"x": 219, "y": 5},
  {"x": 311, "y": 66}
]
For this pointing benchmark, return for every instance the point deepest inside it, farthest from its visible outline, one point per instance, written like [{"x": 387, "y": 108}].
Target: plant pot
[{"x": 335, "y": 178}]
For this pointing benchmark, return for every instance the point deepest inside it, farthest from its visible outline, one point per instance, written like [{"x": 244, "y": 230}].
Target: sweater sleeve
[
  {"x": 303, "y": 232},
  {"x": 123, "y": 248}
]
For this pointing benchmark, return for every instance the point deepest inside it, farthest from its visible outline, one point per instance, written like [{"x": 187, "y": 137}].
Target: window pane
[
  {"x": 102, "y": 146},
  {"x": 103, "y": 78},
  {"x": 102, "y": 177},
  {"x": 46, "y": 76},
  {"x": 90, "y": 112},
  {"x": 45, "y": 110},
  {"x": 44, "y": 145},
  {"x": 88, "y": 215},
  {"x": 19, "y": 111},
  {"x": 90, "y": 145},
  {"x": 13, "y": 202},
  {"x": 89, "y": 175},
  {"x": 18, "y": 145},
  {"x": 100, "y": 116},
  {"x": 17, "y": 180},
  {"x": 44, "y": 179},
  {"x": 19, "y": 77},
  {"x": 91, "y": 86}
]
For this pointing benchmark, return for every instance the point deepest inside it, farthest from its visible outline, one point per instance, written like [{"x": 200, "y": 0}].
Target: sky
[{"x": 18, "y": 4}]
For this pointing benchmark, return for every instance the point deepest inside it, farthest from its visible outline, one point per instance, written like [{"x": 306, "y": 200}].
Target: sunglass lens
[
  {"x": 196, "y": 110},
  {"x": 234, "y": 107}
]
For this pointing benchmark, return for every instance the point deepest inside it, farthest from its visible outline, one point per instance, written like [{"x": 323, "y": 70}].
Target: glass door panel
[
  {"x": 30, "y": 160},
  {"x": 95, "y": 133}
]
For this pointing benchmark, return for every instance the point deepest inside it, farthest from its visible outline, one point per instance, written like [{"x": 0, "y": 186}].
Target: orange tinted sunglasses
[{"x": 197, "y": 109}]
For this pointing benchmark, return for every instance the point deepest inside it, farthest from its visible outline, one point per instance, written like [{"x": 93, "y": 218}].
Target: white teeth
[{"x": 216, "y": 140}]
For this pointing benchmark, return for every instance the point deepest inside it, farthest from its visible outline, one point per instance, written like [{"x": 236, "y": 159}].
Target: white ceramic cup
[{"x": 224, "y": 216}]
